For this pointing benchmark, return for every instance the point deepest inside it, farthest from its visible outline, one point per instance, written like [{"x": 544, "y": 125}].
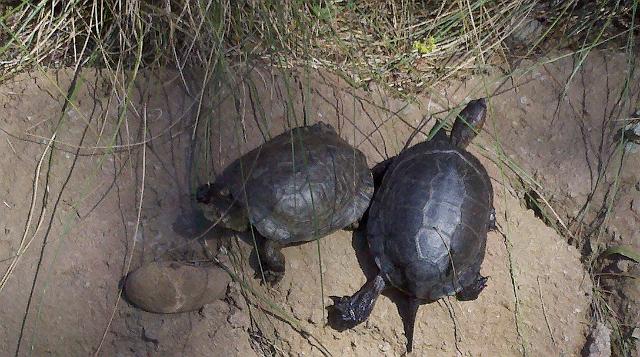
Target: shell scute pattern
[
  {"x": 302, "y": 184},
  {"x": 425, "y": 228}
]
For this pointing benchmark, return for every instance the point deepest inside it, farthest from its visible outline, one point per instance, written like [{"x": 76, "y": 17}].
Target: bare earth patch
[{"x": 62, "y": 297}]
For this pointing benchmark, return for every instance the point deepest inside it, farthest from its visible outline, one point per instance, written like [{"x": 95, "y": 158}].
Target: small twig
[
  {"x": 24, "y": 244},
  {"x": 452, "y": 314},
  {"x": 544, "y": 312}
]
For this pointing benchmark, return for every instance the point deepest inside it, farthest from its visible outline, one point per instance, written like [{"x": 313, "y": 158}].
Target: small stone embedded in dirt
[
  {"x": 632, "y": 132},
  {"x": 524, "y": 34},
  {"x": 385, "y": 347},
  {"x": 234, "y": 295},
  {"x": 599, "y": 342},
  {"x": 636, "y": 333},
  {"x": 623, "y": 265},
  {"x": 239, "y": 319}
]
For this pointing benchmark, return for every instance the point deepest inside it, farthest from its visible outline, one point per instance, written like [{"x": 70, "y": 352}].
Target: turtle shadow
[
  {"x": 370, "y": 269},
  {"x": 189, "y": 223}
]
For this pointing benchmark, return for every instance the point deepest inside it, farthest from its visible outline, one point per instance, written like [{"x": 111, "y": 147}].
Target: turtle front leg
[{"x": 271, "y": 263}]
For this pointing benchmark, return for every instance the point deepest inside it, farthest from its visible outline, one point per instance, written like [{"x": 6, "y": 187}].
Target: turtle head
[
  {"x": 219, "y": 207},
  {"x": 469, "y": 123}
]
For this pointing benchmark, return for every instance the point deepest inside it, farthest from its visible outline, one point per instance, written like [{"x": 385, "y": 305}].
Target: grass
[{"x": 406, "y": 48}]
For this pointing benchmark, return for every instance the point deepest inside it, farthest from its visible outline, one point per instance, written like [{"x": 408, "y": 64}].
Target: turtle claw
[
  {"x": 493, "y": 226},
  {"x": 472, "y": 291}
]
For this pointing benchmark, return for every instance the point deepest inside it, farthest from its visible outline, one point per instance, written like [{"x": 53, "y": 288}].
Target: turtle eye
[{"x": 202, "y": 194}]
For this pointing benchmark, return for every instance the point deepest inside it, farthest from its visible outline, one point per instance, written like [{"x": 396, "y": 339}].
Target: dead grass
[{"x": 406, "y": 45}]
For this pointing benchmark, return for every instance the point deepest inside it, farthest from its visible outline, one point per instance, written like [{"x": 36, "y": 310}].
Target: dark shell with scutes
[
  {"x": 301, "y": 185},
  {"x": 432, "y": 209}
]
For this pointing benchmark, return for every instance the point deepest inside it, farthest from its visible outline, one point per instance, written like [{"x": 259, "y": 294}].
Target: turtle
[
  {"x": 427, "y": 225},
  {"x": 301, "y": 185}
]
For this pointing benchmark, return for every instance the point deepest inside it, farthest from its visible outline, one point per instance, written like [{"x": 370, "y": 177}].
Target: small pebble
[
  {"x": 623, "y": 265},
  {"x": 239, "y": 319},
  {"x": 384, "y": 347},
  {"x": 538, "y": 76},
  {"x": 599, "y": 342}
]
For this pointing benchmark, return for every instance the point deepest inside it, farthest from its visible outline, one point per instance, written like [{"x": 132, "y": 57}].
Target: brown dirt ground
[{"x": 62, "y": 296}]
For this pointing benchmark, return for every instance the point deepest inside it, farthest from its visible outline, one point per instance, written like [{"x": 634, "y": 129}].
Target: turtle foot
[
  {"x": 340, "y": 314},
  {"x": 271, "y": 262},
  {"x": 350, "y": 311},
  {"x": 472, "y": 291}
]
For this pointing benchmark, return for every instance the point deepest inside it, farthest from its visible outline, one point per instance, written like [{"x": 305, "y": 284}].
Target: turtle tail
[
  {"x": 350, "y": 311},
  {"x": 409, "y": 321}
]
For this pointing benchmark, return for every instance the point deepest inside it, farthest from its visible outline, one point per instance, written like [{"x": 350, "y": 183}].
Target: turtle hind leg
[
  {"x": 350, "y": 311},
  {"x": 271, "y": 262},
  {"x": 471, "y": 292}
]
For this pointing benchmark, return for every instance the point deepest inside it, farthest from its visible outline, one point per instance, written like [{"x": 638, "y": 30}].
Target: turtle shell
[
  {"x": 428, "y": 223},
  {"x": 301, "y": 185}
]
